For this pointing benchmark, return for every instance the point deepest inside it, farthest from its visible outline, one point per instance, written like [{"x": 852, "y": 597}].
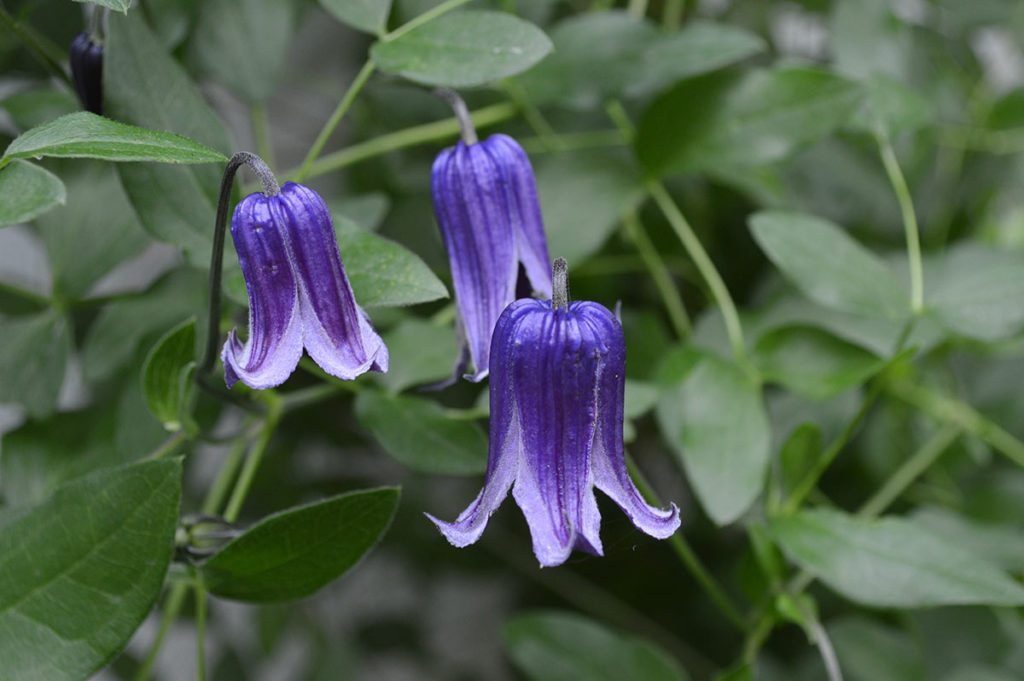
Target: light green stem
[
  {"x": 659, "y": 272},
  {"x": 200, "y": 591},
  {"x": 637, "y": 8},
  {"x": 572, "y": 141},
  {"x": 261, "y": 132},
  {"x": 172, "y": 606},
  {"x": 416, "y": 22},
  {"x": 332, "y": 122},
  {"x": 167, "y": 447},
  {"x": 226, "y": 474},
  {"x": 706, "y": 268},
  {"x": 899, "y": 185},
  {"x": 672, "y": 14},
  {"x": 252, "y": 462},
  {"x": 909, "y": 471}
]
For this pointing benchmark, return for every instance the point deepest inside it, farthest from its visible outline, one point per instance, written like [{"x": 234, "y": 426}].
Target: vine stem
[
  {"x": 172, "y": 606},
  {"x": 899, "y": 185},
  {"x": 200, "y": 592},
  {"x": 255, "y": 457},
  {"x": 909, "y": 470},
  {"x": 339, "y": 112},
  {"x": 659, "y": 272},
  {"x": 704, "y": 265},
  {"x": 416, "y": 22},
  {"x": 43, "y": 50},
  {"x": 261, "y": 133}
]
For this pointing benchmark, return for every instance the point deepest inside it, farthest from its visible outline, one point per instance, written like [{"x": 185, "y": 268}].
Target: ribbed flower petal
[
  {"x": 608, "y": 459},
  {"x": 275, "y": 327},
  {"x": 471, "y": 204},
  {"x": 336, "y": 331}
]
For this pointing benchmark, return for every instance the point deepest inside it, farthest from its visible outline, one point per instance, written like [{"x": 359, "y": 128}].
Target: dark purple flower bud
[
  {"x": 299, "y": 295},
  {"x": 557, "y": 394},
  {"x": 86, "y": 58},
  {"x": 486, "y": 203}
]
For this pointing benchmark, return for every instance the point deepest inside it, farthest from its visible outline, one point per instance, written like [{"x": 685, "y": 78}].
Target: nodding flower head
[
  {"x": 557, "y": 392},
  {"x": 299, "y": 295},
  {"x": 86, "y": 60},
  {"x": 486, "y": 204}
]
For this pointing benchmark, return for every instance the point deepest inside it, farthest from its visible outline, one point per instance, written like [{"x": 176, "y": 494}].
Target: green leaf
[
  {"x": 813, "y": 363},
  {"x": 222, "y": 43},
  {"x": 583, "y": 195},
  {"x": 872, "y": 651},
  {"x": 799, "y": 453},
  {"x": 744, "y": 672},
  {"x": 980, "y": 672},
  {"x": 828, "y": 266},
  {"x": 38, "y": 105},
  {"x": 83, "y": 569},
  {"x": 369, "y": 16},
  {"x": 892, "y": 562},
  {"x": 418, "y": 352},
  {"x": 86, "y": 135},
  {"x": 94, "y": 232},
  {"x": 167, "y": 374},
  {"x": 418, "y": 433},
  {"x": 746, "y": 120},
  {"x": 27, "y": 191},
  {"x": 975, "y": 291},
  {"x": 562, "y": 646},
  {"x": 145, "y": 86},
  {"x": 715, "y": 422},
  {"x": 294, "y": 553},
  {"x": 33, "y": 360},
  {"x": 116, "y": 5},
  {"x": 383, "y": 273},
  {"x": 463, "y": 49},
  {"x": 997, "y": 543}
]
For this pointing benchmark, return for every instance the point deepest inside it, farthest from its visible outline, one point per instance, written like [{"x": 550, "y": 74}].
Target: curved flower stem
[
  {"x": 560, "y": 287},
  {"x": 339, "y": 112},
  {"x": 659, "y": 272},
  {"x": 255, "y": 457},
  {"x": 458, "y": 105},
  {"x": 416, "y": 22},
  {"x": 706, "y": 268},
  {"x": 687, "y": 555},
  {"x": 899, "y": 185}
]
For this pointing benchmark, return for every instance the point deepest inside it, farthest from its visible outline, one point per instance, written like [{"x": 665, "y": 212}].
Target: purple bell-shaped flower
[
  {"x": 557, "y": 392},
  {"x": 299, "y": 295},
  {"x": 86, "y": 60},
  {"x": 486, "y": 204}
]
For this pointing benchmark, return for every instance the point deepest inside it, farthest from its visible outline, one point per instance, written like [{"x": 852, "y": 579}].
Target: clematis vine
[
  {"x": 557, "y": 392},
  {"x": 299, "y": 295},
  {"x": 485, "y": 200}
]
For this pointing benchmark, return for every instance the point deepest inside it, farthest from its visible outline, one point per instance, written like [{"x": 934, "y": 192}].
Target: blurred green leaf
[
  {"x": 463, "y": 49},
  {"x": 33, "y": 360},
  {"x": 296, "y": 552},
  {"x": 116, "y": 5},
  {"x": 978, "y": 672},
  {"x": 222, "y": 43},
  {"x": 167, "y": 374},
  {"x": 369, "y": 16},
  {"x": 715, "y": 422},
  {"x": 83, "y": 569},
  {"x": 742, "y": 673},
  {"x": 871, "y": 651},
  {"x": 418, "y": 433},
  {"x": 419, "y": 352},
  {"x": 38, "y": 105},
  {"x": 813, "y": 363},
  {"x": 828, "y": 266},
  {"x": 892, "y": 562},
  {"x": 893, "y": 106},
  {"x": 27, "y": 191},
  {"x": 746, "y": 120},
  {"x": 383, "y": 273},
  {"x": 999, "y": 544},
  {"x": 145, "y": 86},
  {"x": 86, "y": 135},
  {"x": 562, "y": 646}
]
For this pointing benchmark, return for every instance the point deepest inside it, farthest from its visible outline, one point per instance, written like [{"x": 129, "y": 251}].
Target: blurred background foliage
[{"x": 802, "y": 114}]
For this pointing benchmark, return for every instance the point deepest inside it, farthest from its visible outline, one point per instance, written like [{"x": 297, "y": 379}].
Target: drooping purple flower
[
  {"x": 486, "y": 203},
  {"x": 557, "y": 394},
  {"x": 86, "y": 60},
  {"x": 299, "y": 295}
]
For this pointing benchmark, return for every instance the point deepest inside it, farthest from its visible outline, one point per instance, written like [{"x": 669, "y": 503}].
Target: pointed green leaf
[
  {"x": 83, "y": 569},
  {"x": 368, "y": 16},
  {"x": 383, "y": 273},
  {"x": 294, "y": 553},
  {"x": 34, "y": 357},
  {"x": 463, "y": 49},
  {"x": 892, "y": 562},
  {"x": 418, "y": 352},
  {"x": 86, "y": 135},
  {"x": 27, "y": 191},
  {"x": 166, "y": 374}
]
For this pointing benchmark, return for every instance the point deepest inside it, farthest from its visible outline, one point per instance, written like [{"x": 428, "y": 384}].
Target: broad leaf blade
[
  {"x": 165, "y": 373},
  {"x": 27, "y": 191},
  {"x": 419, "y": 352},
  {"x": 82, "y": 570},
  {"x": 417, "y": 432},
  {"x": 368, "y": 16},
  {"x": 975, "y": 291},
  {"x": 715, "y": 422},
  {"x": 383, "y": 273},
  {"x": 893, "y": 562},
  {"x": 463, "y": 49},
  {"x": 86, "y": 135},
  {"x": 33, "y": 360},
  {"x": 294, "y": 553}
]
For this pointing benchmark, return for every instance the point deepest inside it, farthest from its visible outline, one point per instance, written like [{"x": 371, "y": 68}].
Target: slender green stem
[
  {"x": 961, "y": 414},
  {"x": 252, "y": 462},
  {"x": 549, "y": 139},
  {"x": 617, "y": 113},
  {"x": 261, "y": 133},
  {"x": 637, "y": 8},
  {"x": 298, "y": 399},
  {"x": 706, "y": 268},
  {"x": 41, "y": 48},
  {"x": 672, "y": 14},
  {"x": 200, "y": 591},
  {"x": 339, "y": 112},
  {"x": 226, "y": 474},
  {"x": 688, "y": 557},
  {"x": 416, "y": 22},
  {"x": 659, "y": 272},
  {"x": 409, "y": 137},
  {"x": 909, "y": 471},
  {"x": 899, "y": 185},
  {"x": 571, "y": 141},
  {"x": 167, "y": 447},
  {"x": 172, "y": 606}
]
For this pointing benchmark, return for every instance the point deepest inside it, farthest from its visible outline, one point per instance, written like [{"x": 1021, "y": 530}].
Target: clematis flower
[
  {"x": 557, "y": 393},
  {"x": 299, "y": 295},
  {"x": 86, "y": 61},
  {"x": 486, "y": 204}
]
